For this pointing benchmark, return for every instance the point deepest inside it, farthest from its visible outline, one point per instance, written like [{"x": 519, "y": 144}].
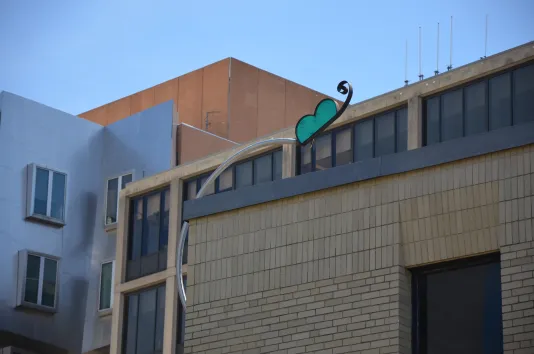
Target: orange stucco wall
[{"x": 242, "y": 101}]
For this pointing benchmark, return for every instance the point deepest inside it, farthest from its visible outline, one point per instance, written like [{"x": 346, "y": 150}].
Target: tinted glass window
[
  {"x": 500, "y": 101},
  {"x": 191, "y": 190},
  {"x": 323, "y": 152},
  {"x": 243, "y": 174},
  {"x": 305, "y": 159},
  {"x": 125, "y": 180},
  {"x": 41, "y": 191},
  {"x": 263, "y": 171},
  {"x": 31, "y": 289},
  {"x": 385, "y": 134},
  {"x": 277, "y": 165},
  {"x": 57, "y": 205},
  {"x": 209, "y": 189},
  {"x": 475, "y": 109},
  {"x": 136, "y": 229},
  {"x": 460, "y": 310},
  {"x": 226, "y": 179},
  {"x": 343, "y": 147},
  {"x": 524, "y": 94},
  {"x": 363, "y": 140},
  {"x": 144, "y": 321},
  {"x": 402, "y": 130},
  {"x": 111, "y": 201},
  {"x": 106, "y": 286},
  {"x": 432, "y": 121},
  {"x": 451, "y": 115},
  {"x": 164, "y": 235},
  {"x": 49, "y": 283},
  {"x": 153, "y": 225}
]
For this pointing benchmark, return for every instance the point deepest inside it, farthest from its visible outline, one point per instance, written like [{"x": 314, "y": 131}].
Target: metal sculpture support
[
  {"x": 306, "y": 130},
  {"x": 202, "y": 191}
]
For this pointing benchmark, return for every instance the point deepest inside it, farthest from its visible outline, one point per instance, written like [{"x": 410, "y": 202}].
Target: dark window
[
  {"x": 500, "y": 101},
  {"x": 144, "y": 321},
  {"x": 476, "y": 109},
  {"x": 323, "y": 152},
  {"x": 451, "y": 115},
  {"x": 49, "y": 192},
  {"x": 402, "y": 130},
  {"x": 226, "y": 180},
  {"x": 210, "y": 189},
  {"x": 457, "y": 307},
  {"x": 112, "y": 196},
  {"x": 492, "y": 103},
  {"x": 40, "y": 280},
  {"x": 343, "y": 147},
  {"x": 363, "y": 140},
  {"x": 277, "y": 165},
  {"x": 243, "y": 174},
  {"x": 385, "y": 134},
  {"x": 432, "y": 121},
  {"x": 191, "y": 189},
  {"x": 263, "y": 169},
  {"x": 305, "y": 159},
  {"x": 524, "y": 94},
  {"x": 148, "y": 234}
]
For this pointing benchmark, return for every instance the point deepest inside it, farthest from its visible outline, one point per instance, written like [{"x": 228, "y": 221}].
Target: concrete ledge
[{"x": 449, "y": 151}]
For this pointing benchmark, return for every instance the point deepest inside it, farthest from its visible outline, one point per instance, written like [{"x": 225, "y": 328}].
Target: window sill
[
  {"x": 110, "y": 227},
  {"x": 105, "y": 313},
  {"x": 40, "y": 308},
  {"x": 46, "y": 220}
]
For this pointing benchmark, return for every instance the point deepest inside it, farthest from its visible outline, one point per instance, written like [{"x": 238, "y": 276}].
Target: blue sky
[{"x": 77, "y": 55}]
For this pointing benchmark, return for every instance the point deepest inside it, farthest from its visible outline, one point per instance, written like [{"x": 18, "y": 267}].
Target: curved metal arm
[{"x": 202, "y": 191}]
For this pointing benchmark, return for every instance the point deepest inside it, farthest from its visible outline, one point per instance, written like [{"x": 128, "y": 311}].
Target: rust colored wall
[
  {"x": 262, "y": 103},
  {"x": 251, "y": 103},
  {"x": 194, "y": 144}
]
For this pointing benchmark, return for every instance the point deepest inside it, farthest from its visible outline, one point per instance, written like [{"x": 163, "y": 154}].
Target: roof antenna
[
  {"x": 406, "y": 66},
  {"x": 436, "y": 72},
  {"x": 450, "y": 60},
  {"x": 485, "y": 40},
  {"x": 421, "y": 76}
]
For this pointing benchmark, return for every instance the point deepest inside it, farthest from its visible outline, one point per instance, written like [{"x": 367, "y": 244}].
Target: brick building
[{"x": 406, "y": 228}]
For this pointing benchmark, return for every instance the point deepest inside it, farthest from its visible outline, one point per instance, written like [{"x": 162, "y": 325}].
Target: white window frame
[
  {"x": 119, "y": 177},
  {"x": 21, "y": 280},
  {"x": 106, "y": 310},
  {"x": 30, "y": 213}
]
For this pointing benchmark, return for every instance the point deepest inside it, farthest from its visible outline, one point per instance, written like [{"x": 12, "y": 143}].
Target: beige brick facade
[{"x": 329, "y": 271}]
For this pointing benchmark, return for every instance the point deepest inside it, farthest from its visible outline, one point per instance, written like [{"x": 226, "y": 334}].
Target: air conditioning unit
[{"x": 15, "y": 350}]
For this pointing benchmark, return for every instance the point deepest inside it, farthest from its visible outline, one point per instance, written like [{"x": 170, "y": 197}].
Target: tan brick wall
[{"x": 277, "y": 267}]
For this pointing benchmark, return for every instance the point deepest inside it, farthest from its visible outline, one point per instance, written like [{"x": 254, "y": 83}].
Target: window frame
[
  {"x": 131, "y": 219},
  {"x": 113, "y": 225},
  {"x": 30, "y": 205},
  {"x": 127, "y": 298},
  {"x": 108, "y": 310},
  {"x": 352, "y": 127},
  {"x": 217, "y": 189},
  {"x": 418, "y": 304},
  {"x": 21, "y": 281},
  {"x": 486, "y": 79}
]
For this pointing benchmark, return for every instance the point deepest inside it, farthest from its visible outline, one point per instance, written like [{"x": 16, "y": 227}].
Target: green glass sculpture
[{"x": 326, "y": 112}]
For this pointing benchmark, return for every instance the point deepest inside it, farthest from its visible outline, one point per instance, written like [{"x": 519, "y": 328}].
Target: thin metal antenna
[
  {"x": 406, "y": 65},
  {"x": 450, "y": 59},
  {"x": 421, "y": 76},
  {"x": 486, "y": 40},
  {"x": 436, "y": 72}
]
